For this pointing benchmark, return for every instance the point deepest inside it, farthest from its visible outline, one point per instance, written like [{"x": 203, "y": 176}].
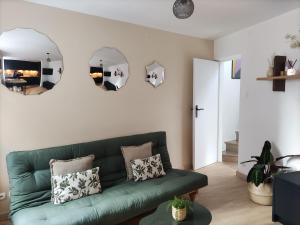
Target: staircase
[{"x": 232, "y": 149}]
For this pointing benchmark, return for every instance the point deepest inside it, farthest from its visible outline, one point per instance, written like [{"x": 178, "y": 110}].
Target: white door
[{"x": 205, "y": 112}]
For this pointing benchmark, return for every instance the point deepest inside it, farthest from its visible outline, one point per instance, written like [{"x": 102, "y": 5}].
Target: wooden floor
[{"x": 226, "y": 197}]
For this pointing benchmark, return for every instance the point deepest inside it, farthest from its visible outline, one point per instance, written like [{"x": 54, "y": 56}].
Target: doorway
[
  {"x": 229, "y": 110},
  {"x": 216, "y": 99}
]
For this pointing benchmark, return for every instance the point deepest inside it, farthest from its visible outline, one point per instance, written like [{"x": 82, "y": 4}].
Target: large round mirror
[
  {"x": 109, "y": 69},
  {"x": 31, "y": 63}
]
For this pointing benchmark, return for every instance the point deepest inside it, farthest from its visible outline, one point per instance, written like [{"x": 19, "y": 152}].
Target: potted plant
[
  {"x": 294, "y": 40},
  {"x": 180, "y": 208},
  {"x": 261, "y": 175}
]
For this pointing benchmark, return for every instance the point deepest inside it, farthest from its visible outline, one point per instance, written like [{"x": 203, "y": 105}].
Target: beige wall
[{"x": 76, "y": 110}]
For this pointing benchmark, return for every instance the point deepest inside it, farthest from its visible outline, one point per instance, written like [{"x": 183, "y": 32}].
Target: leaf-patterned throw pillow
[
  {"x": 148, "y": 168},
  {"x": 75, "y": 185}
]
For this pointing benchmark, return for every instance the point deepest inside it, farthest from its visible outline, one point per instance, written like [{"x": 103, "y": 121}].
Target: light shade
[
  {"x": 48, "y": 57},
  {"x": 183, "y": 9}
]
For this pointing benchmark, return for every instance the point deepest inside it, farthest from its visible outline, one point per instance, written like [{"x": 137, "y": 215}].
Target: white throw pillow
[
  {"x": 147, "y": 168},
  {"x": 75, "y": 185}
]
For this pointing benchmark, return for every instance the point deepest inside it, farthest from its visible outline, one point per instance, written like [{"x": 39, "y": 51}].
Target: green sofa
[{"x": 29, "y": 178}]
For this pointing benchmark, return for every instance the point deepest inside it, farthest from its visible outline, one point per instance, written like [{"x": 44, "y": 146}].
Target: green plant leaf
[
  {"x": 257, "y": 176},
  {"x": 283, "y": 167},
  {"x": 250, "y": 175},
  {"x": 265, "y": 167},
  {"x": 266, "y": 156},
  {"x": 252, "y": 160},
  {"x": 286, "y": 156},
  {"x": 179, "y": 203},
  {"x": 259, "y": 166},
  {"x": 274, "y": 168},
  {"x": 256, "y": 157}
]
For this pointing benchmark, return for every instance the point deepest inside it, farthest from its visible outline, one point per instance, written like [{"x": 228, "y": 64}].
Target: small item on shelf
[
  {"x": 291, "y": 67},
  {"x": 291, "y": 72},
  {"x": 270, "y": 72},
  {"x": 271, "y": 68}
]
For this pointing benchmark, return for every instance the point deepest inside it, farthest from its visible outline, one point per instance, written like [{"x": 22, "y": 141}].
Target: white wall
[
  {"x": 229, "y": 103},
  {"x": 265, "y": 114}
]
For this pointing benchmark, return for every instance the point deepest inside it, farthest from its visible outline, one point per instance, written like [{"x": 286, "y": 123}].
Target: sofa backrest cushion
[{"x": 29, "y": 171}]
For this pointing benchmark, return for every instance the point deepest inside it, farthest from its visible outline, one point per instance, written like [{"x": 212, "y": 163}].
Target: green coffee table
[{"x": 163, "y": 216}]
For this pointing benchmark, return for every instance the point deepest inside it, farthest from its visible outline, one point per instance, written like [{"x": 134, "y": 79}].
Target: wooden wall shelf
[
  {"x": 279, "y": 81},
  {"x": 294, "y": 77}
]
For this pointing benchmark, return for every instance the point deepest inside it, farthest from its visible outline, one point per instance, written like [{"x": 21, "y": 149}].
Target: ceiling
[
  {"x": 27, "y": 44},
  {"x": 211, "y": 18},
  {"x": 109, "y": 57}
]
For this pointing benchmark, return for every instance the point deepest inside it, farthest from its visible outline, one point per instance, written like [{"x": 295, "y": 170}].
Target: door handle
[{"x": 197, "y": 109}]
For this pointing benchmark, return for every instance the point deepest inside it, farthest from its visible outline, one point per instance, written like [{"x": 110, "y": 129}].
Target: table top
[{"x": 163, "y": 216}]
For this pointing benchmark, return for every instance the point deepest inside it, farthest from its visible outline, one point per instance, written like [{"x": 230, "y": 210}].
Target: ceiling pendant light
[
  {"x": 183, "y": 9},
  {"x": 48, "y": 57}
]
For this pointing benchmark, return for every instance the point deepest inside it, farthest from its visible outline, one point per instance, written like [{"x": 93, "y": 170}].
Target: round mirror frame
[
  {"x": 25, "y": 76},
  {"x": 113, "y": 72},
  {"x": 155, "y": 74}
]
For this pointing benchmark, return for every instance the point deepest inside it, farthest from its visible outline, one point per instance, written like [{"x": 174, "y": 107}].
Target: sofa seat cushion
[{"x": 115, "y": 204}]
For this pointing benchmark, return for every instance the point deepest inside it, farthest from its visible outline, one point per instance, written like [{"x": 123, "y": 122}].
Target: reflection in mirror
[
  {"x": 109, "y": 69},
  {"x": 155, "y": 74},
  {"x": 30, "y": 62}
]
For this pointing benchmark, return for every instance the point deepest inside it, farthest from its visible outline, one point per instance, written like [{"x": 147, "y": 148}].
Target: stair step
[
  {"x": 232, "y": 146},
  {"x": 229, "y": 156}
]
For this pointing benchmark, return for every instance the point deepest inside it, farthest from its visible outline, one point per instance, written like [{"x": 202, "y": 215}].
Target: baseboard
[
  {"x": 4, "y": 216},
  {"x": 241, "y": 175}
]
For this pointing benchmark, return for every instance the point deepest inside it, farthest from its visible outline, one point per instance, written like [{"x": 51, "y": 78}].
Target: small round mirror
[
  {"x": 155, "y": 74},
  {"x": 109, "y": 69},
  {"x": 31, "y": 63}
]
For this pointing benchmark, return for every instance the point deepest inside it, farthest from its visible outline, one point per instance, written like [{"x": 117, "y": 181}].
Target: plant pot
[
  {"x": 179, "y": 214},
  {"x": 262, "y": 194},
  {"x": 270, "y": 72}
]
